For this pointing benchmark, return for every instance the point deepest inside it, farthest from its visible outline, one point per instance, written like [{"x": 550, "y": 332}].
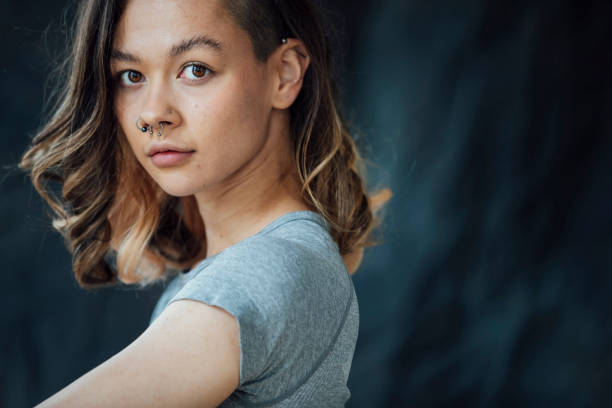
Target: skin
[{"x": 236, "y": 122}]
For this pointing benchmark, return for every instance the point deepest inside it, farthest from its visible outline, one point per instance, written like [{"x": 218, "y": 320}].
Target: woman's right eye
[{"x": 130, "y": 77}]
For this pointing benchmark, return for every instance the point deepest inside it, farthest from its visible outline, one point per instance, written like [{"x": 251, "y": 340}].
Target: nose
[{"x": 158, "y": 113}]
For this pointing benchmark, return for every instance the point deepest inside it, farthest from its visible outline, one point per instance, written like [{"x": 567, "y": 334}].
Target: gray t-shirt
[{"x": 296, "y": 308}]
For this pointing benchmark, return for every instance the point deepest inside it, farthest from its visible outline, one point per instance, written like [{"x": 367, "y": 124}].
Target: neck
[{"x": 262, "y": 191}]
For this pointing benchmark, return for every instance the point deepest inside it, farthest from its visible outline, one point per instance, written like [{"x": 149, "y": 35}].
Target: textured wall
[{"x": 491, "y": 123}]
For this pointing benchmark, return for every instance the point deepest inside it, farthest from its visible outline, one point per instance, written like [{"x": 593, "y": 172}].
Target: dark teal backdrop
[{"x": 490, "y": 121}]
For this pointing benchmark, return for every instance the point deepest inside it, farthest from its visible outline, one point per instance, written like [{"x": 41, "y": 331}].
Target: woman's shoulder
[
  {"x": 292, "y": 258},
  {"x": 293, "y": 265},
  {"x": 289, "y": 291},
  {"x": 297, "y": 247}
]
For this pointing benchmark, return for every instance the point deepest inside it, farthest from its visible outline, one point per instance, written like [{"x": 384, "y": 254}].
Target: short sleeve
[{"x": 288, "y": 301}]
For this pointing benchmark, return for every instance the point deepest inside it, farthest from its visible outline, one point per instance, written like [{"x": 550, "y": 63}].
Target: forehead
[{"x": 159, "y": 25}]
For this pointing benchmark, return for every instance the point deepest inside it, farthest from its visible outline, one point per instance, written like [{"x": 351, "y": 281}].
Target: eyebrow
[{"x": 180, "y": 48}]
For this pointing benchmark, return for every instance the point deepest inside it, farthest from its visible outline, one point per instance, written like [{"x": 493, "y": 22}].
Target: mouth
[
  {"x": 168, "y": 158},
  {"x": 169, "y": 150}
]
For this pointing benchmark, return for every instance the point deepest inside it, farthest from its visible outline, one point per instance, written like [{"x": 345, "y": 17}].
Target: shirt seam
[
  {"x": 299, "y": 218},
  {"x": 319, "y": 222}
]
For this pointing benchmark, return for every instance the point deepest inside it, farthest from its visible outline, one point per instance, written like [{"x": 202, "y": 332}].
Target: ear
[{"x": 292, "y": 62}]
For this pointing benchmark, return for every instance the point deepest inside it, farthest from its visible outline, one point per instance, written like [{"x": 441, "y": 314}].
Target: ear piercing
[
  {"x": 148, "y": 127},
  {"x": 284, "y": 40}
]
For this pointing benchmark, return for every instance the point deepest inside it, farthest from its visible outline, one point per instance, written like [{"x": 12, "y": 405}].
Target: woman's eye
[
  {"x": 130, "y": 77},
  {"x": 195, "y": 72}
]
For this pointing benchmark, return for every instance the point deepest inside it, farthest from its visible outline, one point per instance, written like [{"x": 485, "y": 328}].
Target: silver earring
[{"x": 284, "y": 40}]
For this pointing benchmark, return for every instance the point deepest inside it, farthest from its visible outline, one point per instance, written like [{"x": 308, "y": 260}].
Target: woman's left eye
[{"x": 195, "y": 72}]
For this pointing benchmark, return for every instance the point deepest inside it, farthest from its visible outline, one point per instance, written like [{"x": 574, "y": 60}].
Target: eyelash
[{"x": 126, "y": 83}]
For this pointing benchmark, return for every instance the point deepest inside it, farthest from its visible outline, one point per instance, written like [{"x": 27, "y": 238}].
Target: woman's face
[{"x": 186, "y": 64}]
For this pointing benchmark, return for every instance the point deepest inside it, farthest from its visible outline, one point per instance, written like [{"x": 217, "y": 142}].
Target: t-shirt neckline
[{"x": 277, "y": 222}]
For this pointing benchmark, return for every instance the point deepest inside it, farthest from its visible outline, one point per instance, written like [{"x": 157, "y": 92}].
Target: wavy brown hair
[{"x": 109, "y": 207}]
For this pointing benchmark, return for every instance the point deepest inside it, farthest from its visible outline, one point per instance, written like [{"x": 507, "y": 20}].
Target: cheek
[
  {"x": 121, "y": 116},
  {"x": 233, "y": 129},
  {"x": 127, "y": 124},
  {"x": 237, "y": 114}
]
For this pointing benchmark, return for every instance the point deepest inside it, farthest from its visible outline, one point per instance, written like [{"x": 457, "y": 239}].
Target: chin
[
  {"x": 176, "y": 184},
  {"x": 182, "y": 184},
  {"x": 177, "y": 189}
]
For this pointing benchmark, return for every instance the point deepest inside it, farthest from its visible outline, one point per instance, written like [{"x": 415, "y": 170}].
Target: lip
[
  {"x": 155, "y": 148},
  {"x": 169, "y": 158},
  {"x": 167, "y": 154}
]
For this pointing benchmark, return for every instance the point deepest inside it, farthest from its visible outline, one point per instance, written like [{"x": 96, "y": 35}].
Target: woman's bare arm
[{"x": 189, "y": 356}]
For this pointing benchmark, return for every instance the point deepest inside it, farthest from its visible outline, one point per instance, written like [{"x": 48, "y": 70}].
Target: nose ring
[
  {"x": 141, "y": 128},
  {"x": 148, "y": 127}
]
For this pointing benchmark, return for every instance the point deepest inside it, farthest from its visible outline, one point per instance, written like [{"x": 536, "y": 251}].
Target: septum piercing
[{"x": 143, "y": 129}]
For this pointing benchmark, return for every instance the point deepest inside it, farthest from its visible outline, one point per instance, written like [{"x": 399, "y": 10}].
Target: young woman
[{"x": 204, "y": 137}]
